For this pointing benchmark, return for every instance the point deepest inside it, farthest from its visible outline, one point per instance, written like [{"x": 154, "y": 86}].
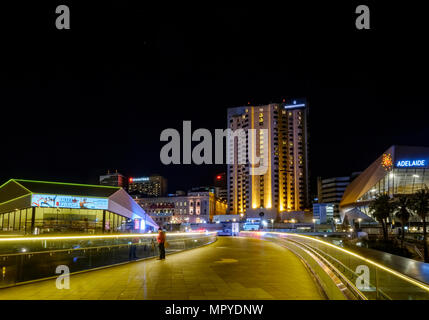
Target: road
[{"x": 230, "y": 268}]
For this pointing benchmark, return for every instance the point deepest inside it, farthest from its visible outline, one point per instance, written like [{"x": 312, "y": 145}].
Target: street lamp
[
  {"x": 360, "y": 219},
  {"x": 314, "y": 225},
  {"x": 272, "y": 224}
]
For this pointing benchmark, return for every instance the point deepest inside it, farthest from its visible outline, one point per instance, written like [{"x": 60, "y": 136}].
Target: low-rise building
[
  {"x": 195, "y": 207},
  {"x": 323, "y": 212}
]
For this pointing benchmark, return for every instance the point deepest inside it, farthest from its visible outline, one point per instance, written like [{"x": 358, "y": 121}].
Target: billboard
[{"x": 72, "y": 202}]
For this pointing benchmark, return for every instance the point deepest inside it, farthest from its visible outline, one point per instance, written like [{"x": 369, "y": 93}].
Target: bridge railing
[
  {"x": 372, "y": 279},
  {"x": 26, "y": 259}
]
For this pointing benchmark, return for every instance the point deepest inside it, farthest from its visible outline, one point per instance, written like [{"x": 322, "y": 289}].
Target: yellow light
[
  {"x": 254, "y": 206},
  {"x": 403, "y": 277},
  {"x": 130, "y": 235}
]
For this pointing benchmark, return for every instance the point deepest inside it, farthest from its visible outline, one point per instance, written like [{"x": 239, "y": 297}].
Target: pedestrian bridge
[
  {"x": 229, "y": 268},
  {"x": 254, "y": 265}
]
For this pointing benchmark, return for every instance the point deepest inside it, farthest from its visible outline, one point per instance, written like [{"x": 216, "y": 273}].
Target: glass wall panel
[
  {"x": 11, "y": 221},
  {"x": 399, "y": 181}
]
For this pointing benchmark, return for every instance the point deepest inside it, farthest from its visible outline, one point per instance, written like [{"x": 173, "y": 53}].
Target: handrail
[
  {"x": 89, "y": 248},
  {"x": 313, "y": 242},
  {"x": 110, "y": 236},
  {"x": 27, "y": 265},
  {"x": 343, "y": 278}
]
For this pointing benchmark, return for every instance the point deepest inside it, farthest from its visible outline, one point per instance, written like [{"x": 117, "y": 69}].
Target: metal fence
[{"x": 31, "y": 258}]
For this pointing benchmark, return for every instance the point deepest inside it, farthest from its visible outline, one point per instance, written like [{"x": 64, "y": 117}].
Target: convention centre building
[
  {"x": 35, "y": 207},
  {"x": 399, "y": 170}
]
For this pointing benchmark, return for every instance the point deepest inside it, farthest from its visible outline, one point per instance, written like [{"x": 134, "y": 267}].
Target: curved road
[{"x": 230, "y": 268}]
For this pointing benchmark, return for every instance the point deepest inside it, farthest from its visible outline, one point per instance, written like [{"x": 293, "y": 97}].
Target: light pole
[
  {"x": 272, "y": 224},
  {"x": 314, "y": 225},
  {"x": 360, "y": 219}
]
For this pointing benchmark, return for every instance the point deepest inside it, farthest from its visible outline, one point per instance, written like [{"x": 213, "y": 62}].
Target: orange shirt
[{"x": 161, "y": 237}]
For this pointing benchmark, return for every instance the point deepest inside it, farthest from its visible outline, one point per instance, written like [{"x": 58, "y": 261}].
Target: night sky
[{"x": 78, "y": 102}]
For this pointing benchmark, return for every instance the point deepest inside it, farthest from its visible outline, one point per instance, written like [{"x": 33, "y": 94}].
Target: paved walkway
[{"x": 230, "y": 268}]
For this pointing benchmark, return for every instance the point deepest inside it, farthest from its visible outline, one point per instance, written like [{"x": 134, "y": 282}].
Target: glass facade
[
  {"x": 399, "y": 181},
  {"x": 60, "y": 220}
]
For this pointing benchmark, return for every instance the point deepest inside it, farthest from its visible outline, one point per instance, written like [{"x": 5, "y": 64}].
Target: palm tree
[
  {"x": 402, "y": 207},
  {"x": 381, "y": 208},
  {"x": 420, "y": 205}
]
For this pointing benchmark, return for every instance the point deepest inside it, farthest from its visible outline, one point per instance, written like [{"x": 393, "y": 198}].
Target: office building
[
  {"x": 35, "y": 207},
  {"x": 153, "y": 186},
  {"x": 399, "y": 170},
  {"x": 114, "y": 179},
  {"x": 331, "y": 190},
  {"x": 221, "y": 186},
  {"x": 284, "y": 186}
]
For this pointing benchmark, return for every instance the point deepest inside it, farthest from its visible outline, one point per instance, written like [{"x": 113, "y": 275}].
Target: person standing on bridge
[{"x": 161, "y": 243}]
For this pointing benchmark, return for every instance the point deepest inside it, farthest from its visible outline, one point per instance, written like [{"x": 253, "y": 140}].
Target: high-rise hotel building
[{"x": 284, "y": 185}]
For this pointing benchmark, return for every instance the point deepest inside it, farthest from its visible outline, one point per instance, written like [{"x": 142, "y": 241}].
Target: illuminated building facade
[
  {"x": 153, "y": 186},
  {"x": 34, "y": 207},
  {"x": 399, "y": 170},
  {"x": 284, "y": 185},
  {"x": 195, "y": 207}
]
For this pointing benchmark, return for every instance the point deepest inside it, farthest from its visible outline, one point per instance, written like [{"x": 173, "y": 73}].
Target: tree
[
  {"x": 402, "y": 207},
  {"x": 382, "y": 208},
  {"x": 420, "y": 205}
]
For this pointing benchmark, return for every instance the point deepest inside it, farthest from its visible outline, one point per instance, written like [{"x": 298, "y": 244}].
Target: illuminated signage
[
  {"x": 139, "y": 179},
  {"x": 411, "y": 163},
  {"x": 58, "y": 201},
  {"x": 136, "y": 224}
]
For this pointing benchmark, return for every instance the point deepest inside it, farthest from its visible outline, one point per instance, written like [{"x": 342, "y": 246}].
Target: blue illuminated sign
[
  {"x": 140, "y": 179},
  {"x": 411, "y": 163}
]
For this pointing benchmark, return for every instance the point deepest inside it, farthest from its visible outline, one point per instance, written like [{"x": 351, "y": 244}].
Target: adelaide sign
[{"x": 411, "y": 163}]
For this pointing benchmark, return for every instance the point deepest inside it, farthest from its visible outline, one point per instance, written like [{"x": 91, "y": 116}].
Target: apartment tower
[{"x": 283, "y": 187}]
